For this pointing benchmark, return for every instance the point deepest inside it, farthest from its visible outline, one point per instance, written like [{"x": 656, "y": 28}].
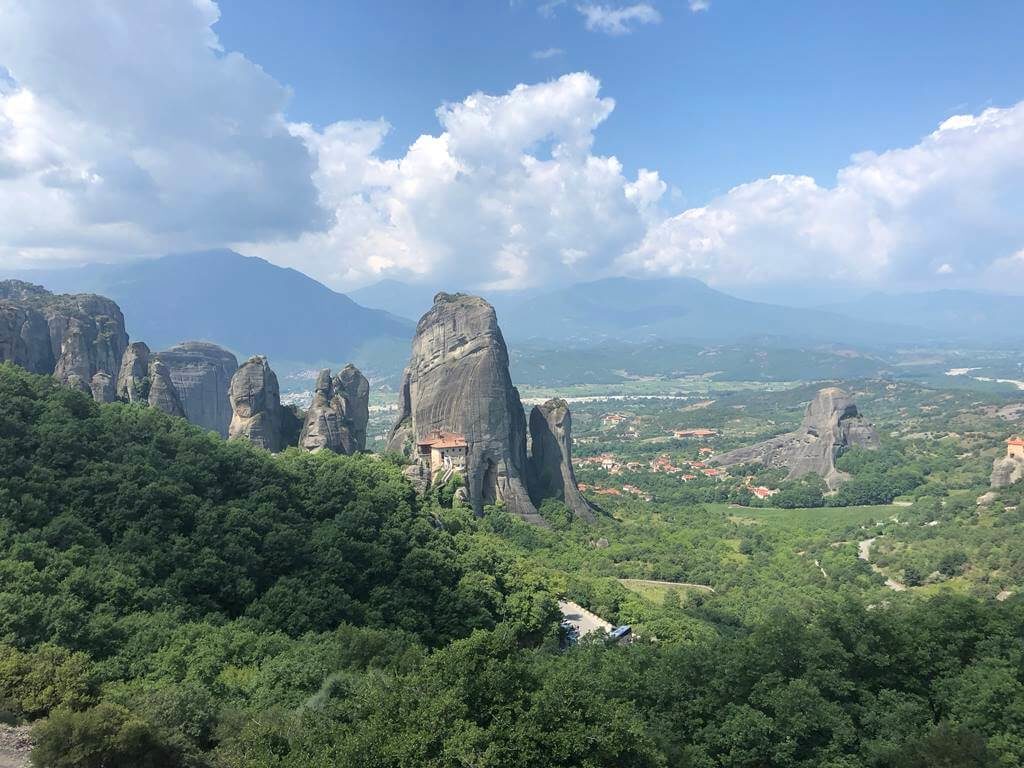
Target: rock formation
[
  {"x": 202, "y": 373},
  {"x": 1007, "y": 470},
  {"x": 831, "y": 425},
  {"x": 102, "y": 387},
  {"x": 73, "y": 337},
  {"x": 551, "y": 473},
  {"x": 162, "y": 393},
  {"x": 458, "y": 382},
  {"x": 133, "y": 378},
  {"x": 257, "y": 415},
  {"x": 337, "y": 418}
]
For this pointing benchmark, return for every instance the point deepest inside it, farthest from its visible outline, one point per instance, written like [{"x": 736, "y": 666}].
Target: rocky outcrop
[
  {"x": 337, "y": 417},
  {"x": 162, "y": 393},
  {"x": 1007, "y": 470},
  {"x": 25, "y": 338},
  {"x": 102, "y": 388},
  {"x": 133, "y": 378},
  {"x": 551, "y": 472},
  {"x": 831, "y": 425},
  {"x": 457, "y": 381},
  {"x": 73, "y": 337},
  {"x": 202, "y": 373},
  {"x": 257, "y": 415}
]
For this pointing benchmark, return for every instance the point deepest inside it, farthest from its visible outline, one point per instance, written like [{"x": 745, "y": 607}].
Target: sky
[{"x": 516, "y": 144}]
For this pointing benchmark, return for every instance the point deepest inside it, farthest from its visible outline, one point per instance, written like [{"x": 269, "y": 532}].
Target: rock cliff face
[
  {"x": 551, "y": 472},
  {"x": 102, "y": 387},
  {"x": 1007, "y": 470},
  {"x": 202, "y": 373},
  {"x": 831, "y": 425},
  {"x": 458, "y": 381},
  {"x": 257, "y": 415},
  {"x": 337, "y": 418},
  {"x": 162, "y": 394},
  {"x": 73, "y": 337},
  {"x": 133, "y": 378}
]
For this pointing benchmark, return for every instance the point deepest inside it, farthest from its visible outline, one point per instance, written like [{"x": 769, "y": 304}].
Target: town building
[
  {"x": 443, "y": 451},
  {"x": 1015, "y": 448}
]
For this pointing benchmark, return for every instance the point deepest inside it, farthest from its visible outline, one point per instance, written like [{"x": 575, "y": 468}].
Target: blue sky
[
  {"x": 853, "y": 146},
  {"x": 711, "y": 99}
]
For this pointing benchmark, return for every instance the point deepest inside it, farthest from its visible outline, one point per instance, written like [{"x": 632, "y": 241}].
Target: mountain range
[
  {"x": 251, "y": 306},
  {"x": 243, "y": 303}
]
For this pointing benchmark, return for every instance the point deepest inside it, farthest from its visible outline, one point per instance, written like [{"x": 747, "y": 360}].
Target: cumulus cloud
[
  {"x": 618, "y": 21},
  {"x": 950, "y": 205},
  {"x": 508, "y": 194},
  {"x": 699, "y": 5},
  {"x": 124, "y": 128}
]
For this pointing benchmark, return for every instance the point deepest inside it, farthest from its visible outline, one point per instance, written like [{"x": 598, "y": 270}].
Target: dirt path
[
  {"x": 14, "y": 746},
  {"x": 653, "y": 583},
  {"x": 864, "y": 553}
]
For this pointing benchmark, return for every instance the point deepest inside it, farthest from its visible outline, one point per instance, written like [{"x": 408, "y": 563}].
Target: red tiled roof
[
  {"x": 1015, "y": 441},
  {"x": 443, "y": 440}
]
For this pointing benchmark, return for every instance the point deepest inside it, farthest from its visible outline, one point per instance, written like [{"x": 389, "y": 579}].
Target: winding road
[{"x": 864, "y": 553}]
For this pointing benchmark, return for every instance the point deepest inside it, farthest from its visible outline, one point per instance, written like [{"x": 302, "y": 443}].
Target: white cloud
[
  {"x": 617, "y": 21},
  {"x": 124, "y": 128},
  {"x": 508, "y": 194},
  {"x": 546, "y": 53},
  {"x": 950, "y": 204},
  {"x": 699, "y": 5}
]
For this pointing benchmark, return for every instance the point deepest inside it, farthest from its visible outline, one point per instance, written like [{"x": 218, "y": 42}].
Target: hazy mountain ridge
[{"x": 243, "y": 303}]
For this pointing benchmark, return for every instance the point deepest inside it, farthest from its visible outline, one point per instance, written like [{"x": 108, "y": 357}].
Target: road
[
  {"x": 864, "y": 553},
  {"x": 583, "y": 620}
]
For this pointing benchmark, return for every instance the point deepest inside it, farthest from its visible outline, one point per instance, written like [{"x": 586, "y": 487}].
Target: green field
[{"x": 814, "y": 519}]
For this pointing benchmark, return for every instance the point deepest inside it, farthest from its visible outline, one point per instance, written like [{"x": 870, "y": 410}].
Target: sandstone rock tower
[
  {"x": 337, "y": 418},
  {"x": 551, "y": 473},
  {"x": 831, "y": 425},
  {"x": 256, "y": 405},
  {"x": 202, "y": 373},
  {"x": 458, "y": 382},
  {"x": 73, "y": 337}
]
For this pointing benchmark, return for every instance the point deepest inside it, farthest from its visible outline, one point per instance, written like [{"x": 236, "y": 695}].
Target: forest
[{"x": 169, "y": 599}]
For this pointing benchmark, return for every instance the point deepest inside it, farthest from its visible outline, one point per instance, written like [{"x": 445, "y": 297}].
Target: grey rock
[
  {"x": 1006, "y": 470},
  {"x": 74, "y": 337},
  {"x": 831, "y": 425},
  {"x": 355, "y": 389},
  {"x": 418, "y": 476},
  {"x": 257, "y": 415},
  {"x": 133, "y": 377},
  {"x": 162, "y": 393},
  {"x": 202, "y": 373},
  {"x": 458, "y": 381},
  {"x": 337, "y": 417},
  {"x": 551, "y": 472},
  {"x": 25, "y": 338},
  {"x": 102, "y": 387}
]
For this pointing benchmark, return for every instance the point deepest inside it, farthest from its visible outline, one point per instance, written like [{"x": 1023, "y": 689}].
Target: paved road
[{"x": 583, "y": 620}]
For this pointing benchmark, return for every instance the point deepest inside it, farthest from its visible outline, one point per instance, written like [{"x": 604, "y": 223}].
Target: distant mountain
[
  {"x": 409, "y": 300},
  {"x": 630, "y": 309},
  {"x": 951, "y": 314},
  {"x": 243, "y": 303}
]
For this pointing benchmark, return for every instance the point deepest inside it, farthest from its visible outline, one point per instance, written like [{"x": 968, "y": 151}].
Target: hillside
[
  {"x": 631, "y": 309},
  {"x": 955, "y": 315},
  {"x": 243, "y": 303}
]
